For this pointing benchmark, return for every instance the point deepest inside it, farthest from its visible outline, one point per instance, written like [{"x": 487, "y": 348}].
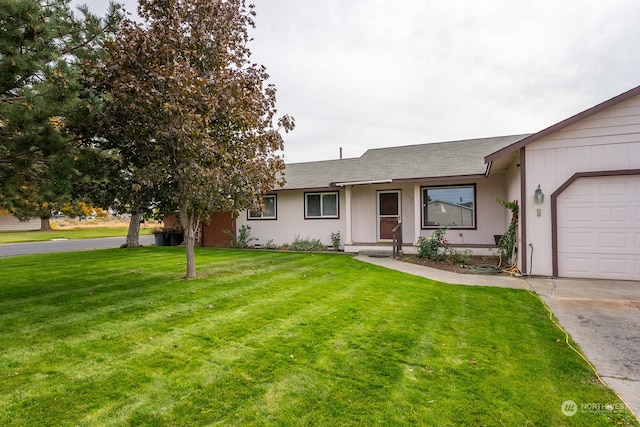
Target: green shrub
[
  {"x": 459, "y": 257},
  {"x": 242, "y": 240},
  {"x": 507, "y": 244},
  {"x": 335, "y": 240},
  {"x": 305, "y": 245},
  {"x": 430, "y": 247},
  {"x": 269, "y": 245}
]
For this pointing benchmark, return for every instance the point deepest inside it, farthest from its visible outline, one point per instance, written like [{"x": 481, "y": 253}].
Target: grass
[
  {"x": 65, "y": 228},
  {"x": 81, "y": 233},
  {"x": 115, "y": 338}
]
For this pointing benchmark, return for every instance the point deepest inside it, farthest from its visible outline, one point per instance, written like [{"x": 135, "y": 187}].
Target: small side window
[
  {"x": 321, "y": 205},
  {"x": 270, "y": 211}
]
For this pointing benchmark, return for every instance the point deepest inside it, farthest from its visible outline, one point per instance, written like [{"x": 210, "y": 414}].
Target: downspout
[{"x": 523, "y": 210}]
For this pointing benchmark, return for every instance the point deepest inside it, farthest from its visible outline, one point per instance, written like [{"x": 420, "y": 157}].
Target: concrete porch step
[{"x": 377, "y": 253}]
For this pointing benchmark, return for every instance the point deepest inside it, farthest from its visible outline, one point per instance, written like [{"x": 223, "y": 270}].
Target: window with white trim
[
  {"x": 270, "y": 209},
  {"x": 449, "y": 206},
  {"x": 321, "y": 205}
]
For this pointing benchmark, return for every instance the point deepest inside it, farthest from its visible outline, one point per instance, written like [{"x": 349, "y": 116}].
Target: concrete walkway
[
  {"x": 445, "y": 276},
  {"x": 602, "y": 316}
]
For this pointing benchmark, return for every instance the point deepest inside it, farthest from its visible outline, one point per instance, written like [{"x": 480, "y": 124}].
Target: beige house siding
[
  {"x": 512, "y": 182},
  {"x": 491, "y": 218},
  {"x": 364, "y": 211},
  {"x": 490, "y": 215},
  {"x": 291, "y": 222},
  {"x": 405, "y": 169},
  {"x": 11, "y": 223},
  {"x": 609, "y": 140}
]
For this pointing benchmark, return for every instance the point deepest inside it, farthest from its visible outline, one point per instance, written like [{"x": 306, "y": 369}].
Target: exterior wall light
[{"x": 538, "y": 196}]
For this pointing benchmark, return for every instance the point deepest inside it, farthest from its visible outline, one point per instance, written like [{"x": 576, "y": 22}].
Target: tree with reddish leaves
[{"x": 194, "y": 110}]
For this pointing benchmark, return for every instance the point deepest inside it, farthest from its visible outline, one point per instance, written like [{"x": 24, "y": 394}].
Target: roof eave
[
  {"x": 563, "y": 124},
  {"x": 339, "y": 185},
  {"x": 377, "y": 181},
  {"x": 441, "y": 178},
  {"x": 330, "y": 187}
]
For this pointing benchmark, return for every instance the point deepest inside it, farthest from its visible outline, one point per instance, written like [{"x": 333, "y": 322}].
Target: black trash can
[
  {"x": 176, "y": 239},
  {"x": 159, "y": 239}
]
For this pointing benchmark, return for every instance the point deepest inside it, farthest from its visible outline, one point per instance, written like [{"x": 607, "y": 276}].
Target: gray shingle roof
[{"x": 435, "y": 160}]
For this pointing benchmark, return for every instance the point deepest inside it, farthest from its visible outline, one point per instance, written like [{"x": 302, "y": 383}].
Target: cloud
[{"x": 365, "y": 74}]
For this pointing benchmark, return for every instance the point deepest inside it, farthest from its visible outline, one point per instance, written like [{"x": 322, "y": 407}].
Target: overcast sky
[{"x": 366, "y": 74}]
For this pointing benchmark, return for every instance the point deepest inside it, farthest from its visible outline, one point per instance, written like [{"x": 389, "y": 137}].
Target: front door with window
[{"x": 388, "y": 213}]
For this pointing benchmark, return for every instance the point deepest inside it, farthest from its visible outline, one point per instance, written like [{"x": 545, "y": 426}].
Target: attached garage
[
  {"x": 598, "y": 227},
  {"x": 588, "y": 166}
]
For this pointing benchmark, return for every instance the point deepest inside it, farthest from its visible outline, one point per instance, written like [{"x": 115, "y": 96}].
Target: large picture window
[
  {"x": 452, "y": 206},
  {"x": 270, "y": 211},
  {"x": 321, "y": 205}
]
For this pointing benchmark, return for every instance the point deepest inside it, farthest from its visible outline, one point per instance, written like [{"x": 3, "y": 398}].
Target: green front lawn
[
  {"x": 115, "y": 337},
  {"x": 77, "y": 233}
]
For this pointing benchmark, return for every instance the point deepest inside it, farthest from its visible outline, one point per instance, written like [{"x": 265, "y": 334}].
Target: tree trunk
[
  {"x": 189, "y": 225},
  {"x": 133, "y": 234},
  {"x": 45, "y": 225}
]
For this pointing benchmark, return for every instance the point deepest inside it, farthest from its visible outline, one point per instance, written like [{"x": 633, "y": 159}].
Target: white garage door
[{"x": 599, "y": 228}]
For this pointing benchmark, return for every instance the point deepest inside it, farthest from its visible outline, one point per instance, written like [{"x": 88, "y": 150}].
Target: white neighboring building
[{"x": 11, "y": 223}]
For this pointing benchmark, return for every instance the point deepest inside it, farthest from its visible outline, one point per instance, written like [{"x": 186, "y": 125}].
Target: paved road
[{"x": 12, "y": 249}]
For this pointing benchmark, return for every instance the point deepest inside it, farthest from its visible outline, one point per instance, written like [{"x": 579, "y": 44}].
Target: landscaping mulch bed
[{"x": 456, "y": 268}]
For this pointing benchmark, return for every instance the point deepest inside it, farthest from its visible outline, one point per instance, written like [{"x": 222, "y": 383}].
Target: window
[
  {"x": 269, "y": 211},
  {"x": 321, "y": 205},
  {"x": 452, "y": 207}
]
